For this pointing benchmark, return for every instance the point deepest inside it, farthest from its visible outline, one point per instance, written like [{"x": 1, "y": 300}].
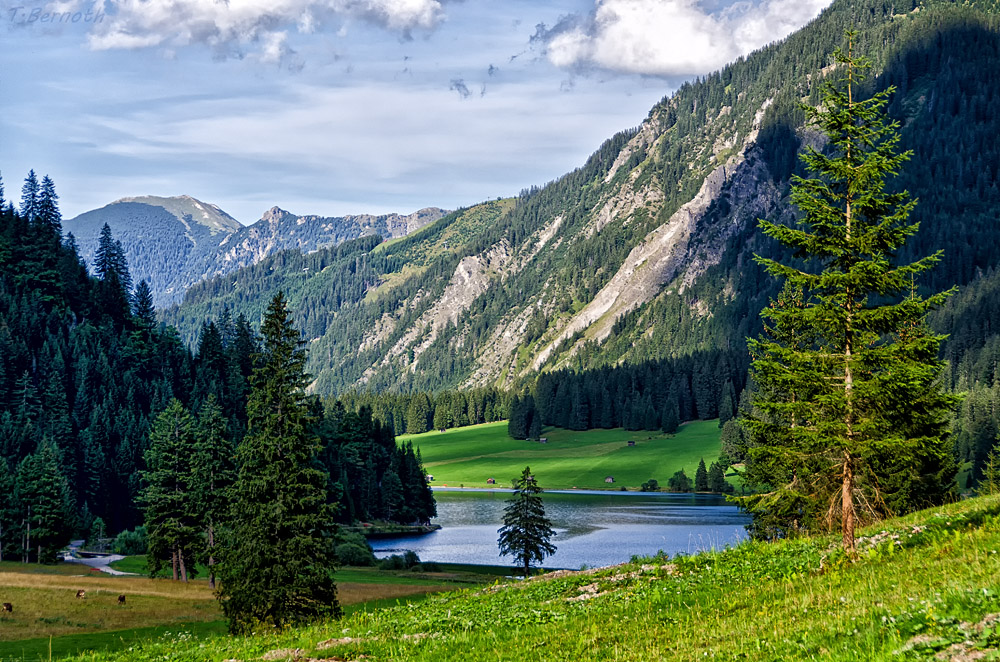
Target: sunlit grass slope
[
  {"x": 925, "y": 585},
  {"x": 469, "y": 456},
  {"x": 45, "y": 605}
]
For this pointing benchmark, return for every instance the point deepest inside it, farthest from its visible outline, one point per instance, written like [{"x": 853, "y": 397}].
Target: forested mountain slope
[
  {"x": 173, "y": 243},
  {"x": 643, "y": 255}
]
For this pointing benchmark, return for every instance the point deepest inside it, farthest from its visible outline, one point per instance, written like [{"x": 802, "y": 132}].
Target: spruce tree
[
  {"x": 701, "y": 477},
  {"x": 142, "y": 306},
  {"x": 526, "y": 531},
  {"x": 168, "y": 499},
  {"x": 29, "y": 197},
  {"x": 717, "y": 478},
  {"x": 213, "y": 474},
  {"x": 48, "y": 207},
  {"x": 276, "y": 567},
  {"x": 848, "y": 378},
  {"x": 9, "y": 511},
  {"x": 43, "y": 489}
]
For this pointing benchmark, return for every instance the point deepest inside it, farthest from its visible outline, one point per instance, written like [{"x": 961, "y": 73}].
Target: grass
[
  {"x": 469, "y": 456},
  {"x": 45, "y": 605},
  {"x": 923, "y": 586}
]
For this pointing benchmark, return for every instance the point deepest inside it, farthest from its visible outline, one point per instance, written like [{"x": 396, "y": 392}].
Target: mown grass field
[
  {"x": 925, "y": 587},
  {"x": 45, "y": 605},
  {"x": 469, "y": 456}
]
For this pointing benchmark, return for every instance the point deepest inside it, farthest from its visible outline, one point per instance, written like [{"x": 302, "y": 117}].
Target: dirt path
[{"x": 102, "y": 563}]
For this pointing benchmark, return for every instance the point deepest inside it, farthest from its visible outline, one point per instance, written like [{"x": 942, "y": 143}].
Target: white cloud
[
  {"x": 238, "y": 27},
  {"x": 671, "y": 37}
]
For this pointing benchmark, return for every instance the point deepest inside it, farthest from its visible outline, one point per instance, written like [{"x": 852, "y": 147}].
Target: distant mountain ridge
[
  {"x": 175, "y": 242},
  {"x": 645, "y": 253}
]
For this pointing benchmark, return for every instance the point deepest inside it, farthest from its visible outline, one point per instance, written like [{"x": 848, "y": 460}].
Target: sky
[{"x": 336, "y": 107}]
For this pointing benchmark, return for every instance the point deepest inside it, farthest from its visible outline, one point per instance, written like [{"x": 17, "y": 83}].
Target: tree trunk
[
  {"x": 27, "y": 539},
  {"x": 173, "y": 561},
  {"x": 184, "y": 573},
  {"x": 211, "y": 558},
  {"x": 847, "y": 504}
]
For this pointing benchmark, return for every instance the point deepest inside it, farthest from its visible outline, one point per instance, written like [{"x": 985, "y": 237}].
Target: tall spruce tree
[
  {"x": 849, "y": 398},
  {"x": 43, "y": 493},
  {"x": 526, "y": 531},
  {"x": 171, "y": 521},
  {"x": 213, "y": 473},
  {"x": 277, "y": 564}
]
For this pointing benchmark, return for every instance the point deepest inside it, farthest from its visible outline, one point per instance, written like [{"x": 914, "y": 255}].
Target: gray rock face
[{"x": 173, "y": 243}]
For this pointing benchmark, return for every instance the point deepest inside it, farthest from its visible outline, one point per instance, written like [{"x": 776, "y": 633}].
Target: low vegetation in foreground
[
  {"x": 45, "y": 605},
  {"x": 470, "y": 456},
  {"x": 926, "y": 586}
]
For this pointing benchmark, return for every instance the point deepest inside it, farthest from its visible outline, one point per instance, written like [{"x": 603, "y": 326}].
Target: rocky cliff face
[
  {"x": 634, "y": 256},
  {"x": 279, "y": 230},
  {"x": 173, "y": 243}
]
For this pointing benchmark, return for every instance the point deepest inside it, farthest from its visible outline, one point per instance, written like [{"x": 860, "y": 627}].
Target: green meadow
[
  {"x": 469, "y": 456},
  {"x": 923, "y": 587},
  {"x": 48, "y": 617}
]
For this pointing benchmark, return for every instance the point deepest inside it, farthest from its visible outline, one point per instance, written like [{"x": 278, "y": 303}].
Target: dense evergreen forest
[
  {"x": 85, "y": 370},
  {"x": 682, "y": 354}
]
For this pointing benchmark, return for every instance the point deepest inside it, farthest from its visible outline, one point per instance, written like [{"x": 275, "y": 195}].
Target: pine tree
[
  {"x": 43, "y": 490},
  {"x": 717, "y": 478},
  {"x": 212, "y": 475},
  {"x": 29, "y": 197},
  {"x": 526, "y": 531},
  {"x": 47, "y": 207},
  {"x": 679, "y": 482},
  {"x": 168, "y": 499},
  {"x": 142, "y": 306},
  {"x": 9, "y": 511},
  {"x": 276, "y": 567},
  {"x": 858, "y": 389},
  {"x": 701, "y": 477},
  {"x": 417, "y": 414},
  {"x": 111, "y": 267}
]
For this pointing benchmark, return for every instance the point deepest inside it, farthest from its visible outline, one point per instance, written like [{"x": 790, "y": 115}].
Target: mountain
[
  {"x": 175, "y": 242},
  {"x": 644, "y": 254}
]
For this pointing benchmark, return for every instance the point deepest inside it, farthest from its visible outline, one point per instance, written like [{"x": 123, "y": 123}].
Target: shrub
[
  {"x": 397, "y": 562},
  {"x": 130, "y": 543},
  {"x": 349, "y": 553}
]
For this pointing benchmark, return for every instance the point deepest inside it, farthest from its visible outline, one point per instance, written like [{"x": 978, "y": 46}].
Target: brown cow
[
  {"x": 121, "y": 599},
  {"x": 81, "y": 594},
  {"x": 8, "y": 607}
]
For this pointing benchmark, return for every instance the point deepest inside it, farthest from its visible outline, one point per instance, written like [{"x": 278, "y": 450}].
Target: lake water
[{"x": 592, "y": 528}]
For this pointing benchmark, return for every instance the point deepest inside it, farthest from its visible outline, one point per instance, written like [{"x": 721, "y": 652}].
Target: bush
[
  {"x": 397, "y": 562},
  {"x": 650, "y": 485},
  {"x": 130, "y": 543},
  {"x": 349, "y": 553}
]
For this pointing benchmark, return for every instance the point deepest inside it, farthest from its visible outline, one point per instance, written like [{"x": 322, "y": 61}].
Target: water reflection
[{"x": 592, "y": 528}]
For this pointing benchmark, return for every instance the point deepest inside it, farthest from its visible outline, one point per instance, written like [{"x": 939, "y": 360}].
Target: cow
[
  {"x": 121, "y": 599},
  {"x": 8, "y": 607},
  {"x": 81, "y": 594}
]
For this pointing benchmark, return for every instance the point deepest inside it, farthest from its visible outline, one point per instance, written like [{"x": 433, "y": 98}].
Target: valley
[{"x": 741, "y": 366}]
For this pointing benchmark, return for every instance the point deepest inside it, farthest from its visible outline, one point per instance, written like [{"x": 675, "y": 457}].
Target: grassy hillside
[
  {"x": 470, "y": 455},
  {"x": 45, "y": 605},
  {"x": 924, "y": 585}
]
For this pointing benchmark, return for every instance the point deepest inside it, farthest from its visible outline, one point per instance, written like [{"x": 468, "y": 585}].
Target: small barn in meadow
[
  {"x": 430, "y": 477},
  {"x": 491, "y": 481},
  {"x": 631, "y": 442},
  {"x": 609, "y": 479}
]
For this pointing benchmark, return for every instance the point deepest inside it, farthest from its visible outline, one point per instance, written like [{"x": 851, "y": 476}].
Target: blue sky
[{"x": 343, "y": 106}]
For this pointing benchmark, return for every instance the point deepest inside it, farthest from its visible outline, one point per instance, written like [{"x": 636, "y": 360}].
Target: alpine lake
[{"x": 593, "y": 528}]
